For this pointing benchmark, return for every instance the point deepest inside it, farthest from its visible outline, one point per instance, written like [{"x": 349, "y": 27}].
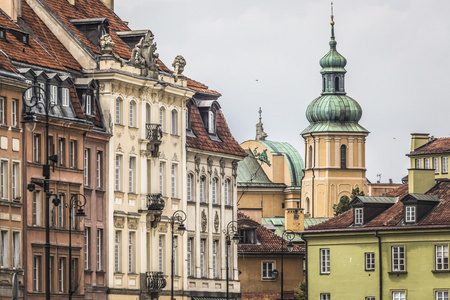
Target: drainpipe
[
  {"x": 306, "y": 264},
  {"x": 313, "y": 175},
  {"x": 380, "y": 269}
]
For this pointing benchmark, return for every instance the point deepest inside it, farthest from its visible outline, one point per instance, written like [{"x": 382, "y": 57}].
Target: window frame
[
  {"x": 4, "y": 249},
  {"x": 398, "y": 265},
  {"x": 132, "y": 175},
  {"x": 37, "y": 147},
  {"x": 73, "y": 154},
  {"x": 266, "y": 272},
  {"x": 418, "y": 163},
  {"x": 99, "y": 248},
  {"x": 99, "y": 169},
  {"x": 118, "y": 110},
  {"x": 16, "y": 249},
  {"x": 369, "y": 261},
  {"x": 325, "y": 261},
  {"x": 398, "y": 295},
  {"x": 444, "y": 162},
  {"x": 174, "y": 174},
  {"x": 190, "y": 244},
  {"x": 174, "y": 123},
  {"x": 227, "y": 190},
  {"x": 436, "y": 165},
  {"x": 132, "y": 114},
  {"x": 359, "y": 216},
  {"x": 15, "y": 180},
  {"x": 132, "y": 252},
  {"x": 190, "y": 187},
  {"x": 118, "y": 173},
  {"x": 86, "y": 247},
  {"x": 203, "y": 260},
  {"x": 117, "y": 251},
  {"x": 410, "y": 214},
  {"x": 87, "y": 154},
  {"x": 202, "y": 189},
  {"x": 442, "y": 296},
  {"x": 14, "y": 112},
  {"x": 427, "y": 163},
  {"x": 440, "y": 261},
  {"x": 214, "y": 191},
  {"x": 162, "y": 181},
  {"x": 65, "y": 96}
]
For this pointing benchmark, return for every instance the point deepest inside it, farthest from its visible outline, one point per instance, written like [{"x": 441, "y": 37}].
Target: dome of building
[
  {"x": 333, "y": 108},
  {"x": 333, "y": 61}
]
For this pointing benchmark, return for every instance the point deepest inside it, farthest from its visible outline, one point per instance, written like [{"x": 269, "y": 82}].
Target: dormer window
[
  {"x": 212, "y": 121},
  {"x": 410, "y": 214},
  {"x": 359, "y": 216},
  {"x": 2, "y": 34},
  {"x": 247, "y": 236},
  {"x": 65, "y": 96},
  {"x": 25, "y": 39},
  {"x": 53, "y": 94},
  {"x": 88, "y": 104}
]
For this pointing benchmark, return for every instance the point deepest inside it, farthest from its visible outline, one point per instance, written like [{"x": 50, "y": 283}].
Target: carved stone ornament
[
  {"x": 107, "y": 44},
  {"x": 132, "y": 223},
  {"x": 162, "y": 227},
  {"x": 204, "y": 221},
  {"x": 216, "y": 222},
  {"x": 210, "y": 163},
  {"x": 178, "y": 66},
  {"x": 197, "y": 164},
  {"x": 235, "y": 166},
  {"x": 222, "y": 167},
  {"x": 119, "y": 221},
  {"x": 215, "y": 172},
  {"x": 144, "y": 56}
]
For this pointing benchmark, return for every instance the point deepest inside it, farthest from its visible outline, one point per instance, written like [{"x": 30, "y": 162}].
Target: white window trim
[
  {"x": 65, "y": 97},
  {"x": 442, "y": 257},
  {"x": 266, "y": 272},
  {"x": 398, "y": 263},
  {"x": 99, "y": 248},
  {"x": 359, "y": 216},
  {"x": 398, "y": 295},
  {"x": 174, "y": 173},
  {"x": 410, "y": 213},
  {"x": 370, "y": 261},
  {"x": 325, "y": 262},
  {"x": 436, "y": 165},
  {"x": 14, "y": 109}
]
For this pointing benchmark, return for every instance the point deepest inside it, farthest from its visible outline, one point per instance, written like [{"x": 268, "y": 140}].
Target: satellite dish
[{"x": 275, "y": 274}]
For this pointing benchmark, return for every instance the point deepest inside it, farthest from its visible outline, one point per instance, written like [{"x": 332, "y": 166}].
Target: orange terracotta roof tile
[
  {"x": 76, "y": 103},
  {"x": 5, "y": 64},
  {"x": 441, "y": 145},
  {"x": 268, "y": 241},
  {"x": 202, "y": 141},
  {"x": 200, "y": 87}
]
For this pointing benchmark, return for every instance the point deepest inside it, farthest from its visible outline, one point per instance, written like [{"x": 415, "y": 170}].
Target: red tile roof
[
  {"x": 440, "y": 145},
  {"x": 33, "y": 53},
  {"x": 5, "y": 64},
  {"x": 268, "y": 241},
  {"x": 392, "y": 217},
  {"x": 200, "y": 87},
  {"x": 202, "y": 141}
]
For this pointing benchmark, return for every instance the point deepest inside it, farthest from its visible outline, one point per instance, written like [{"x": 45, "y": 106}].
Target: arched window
[
  {"x": 118, "y": 111},
  {"x": 214, "y": 191},
  {"x": 343, "y": 157},
  {"x": 202, "y": 188},
  {"x": 310, "y": 157},
  {"x": 307, "y": 205},
  {"x": 336, "y": 84},
  {"x": 190, "y": 187},
  {"x": 174, "y": 122},
  {"x": 132, "y": 114},
  {"x": 162, "y": 118}
]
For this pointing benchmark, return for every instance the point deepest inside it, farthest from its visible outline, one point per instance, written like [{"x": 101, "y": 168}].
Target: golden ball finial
[{"x": 332, "y": 22}]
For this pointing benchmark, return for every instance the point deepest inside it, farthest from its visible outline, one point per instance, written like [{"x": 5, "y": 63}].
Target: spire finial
[
  {"x": 332, "y": 15},
  {"x": 260, "y": 111}
]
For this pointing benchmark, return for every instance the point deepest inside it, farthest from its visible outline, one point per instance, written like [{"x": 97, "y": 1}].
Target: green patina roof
[
  {"x": 293, "y": 158},
  {"x": 249, "y": 173},
  {"x": 333, "y": 61},
  {"x": 369, "y": 199},
  {"x": 425, "y": 197},
  {"x": 277, "y": 223}
]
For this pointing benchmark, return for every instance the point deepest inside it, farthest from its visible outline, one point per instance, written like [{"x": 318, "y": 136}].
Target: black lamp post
[
  {"x": 178, "y": 216},
  {"x": 288, "y": 235},
  {"x": 77, "y": 204},
  {"x": 35, "y": 97},
  {"x": 232, "y": 229}
]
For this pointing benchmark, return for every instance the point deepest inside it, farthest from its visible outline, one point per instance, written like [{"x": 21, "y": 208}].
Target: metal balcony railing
[
  {"x": 155, "y": 281},
  {"x": 155, "y": 202}
]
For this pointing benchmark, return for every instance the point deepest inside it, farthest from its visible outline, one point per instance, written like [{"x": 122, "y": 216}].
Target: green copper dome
[{"x": 333, "y": 111}]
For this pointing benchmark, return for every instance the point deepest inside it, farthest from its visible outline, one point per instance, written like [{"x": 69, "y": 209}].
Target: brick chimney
[
  {"x": 419, "y": 139},
  {"x": 13, "y": 8},
  {"x": 109, "y": 4},
  {"x": 294, "y": 219}
]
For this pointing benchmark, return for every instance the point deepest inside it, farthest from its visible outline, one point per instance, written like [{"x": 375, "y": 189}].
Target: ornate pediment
[{"x": 144, "y": 56}]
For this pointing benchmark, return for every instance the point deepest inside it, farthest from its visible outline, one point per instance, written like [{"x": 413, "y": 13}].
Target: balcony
[
  {"x": 155, "y": 281},
  {"x": 154, "y": 207},
  {"x": 154, "y": 136}
]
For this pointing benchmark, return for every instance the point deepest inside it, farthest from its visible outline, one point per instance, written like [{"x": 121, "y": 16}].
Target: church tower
[{"x": 334, "y": 141}]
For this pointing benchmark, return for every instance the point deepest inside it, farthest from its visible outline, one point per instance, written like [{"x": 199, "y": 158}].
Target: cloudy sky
[{"x": 261, "y": 53}]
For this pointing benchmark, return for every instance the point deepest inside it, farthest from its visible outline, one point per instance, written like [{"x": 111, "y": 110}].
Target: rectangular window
[
  {"x": 215, "y": 246},
  {"x": 43, "y": 90},
  {"x": 174, "y": 180},
  {"x": 86, "y": 166},
  {"x": 202, "y": 258},
  {"x": 325, "y": 261},
  {"x": 267, "y": 270},
  {"x": 370, "y": 298},
  {"x": 99, "y": 169},
  {"x": 132, "y": 114},
  {"x": 398, "y": 259},
  {"x": 359, "y": 216},
  {"x": 131, "y": 174},
  {"x": 410, "y": 213},
  {"x": 62, "y": 262},
  {"x": 131, "y": 241},
  {"x": 370, "y": 261},
  {"x": 61, "y": 151},
  {"x": 72, "y": 224},
  {"x": 398, "y": 295},
  {"x": 325, "y": 296},
  {"x": 15, "y": 181},
  {"x": 190, "y": 180},
  {"x": 16, "y": 250},
  {"x": 161, "y": 119},
  {"x": 441, "y": 295},
  {"x": 14, "y": 113},
  {"x": 202, "y": 189},
  {"x": 418, "y": 163},
  {"x": 227, "y": 192},
  {"x": 73, "y": 284},
  {"x": 99, "y": 249},
  {"x": 161, "y": 253},
  {"x": 117, "y": 251},
  {"x": 4, "y": 249},
  {"x": 86, "y": 248},
  {"x": 36, "y": 147},
  {"x": 174, "y": 122},
  {"x": 175, "y": 258},
  {"x": 88, "y": 104},
  {"x": 436, "y": 165},
  {"x": 214, "y": 191},
  {"x": 118, "y": 185},
  {"x": 61, "y": 208},
  {"x": 118, "y": 111},
  {"x": 445, "y": 165},
  {"x": 441, "y": 257},
  {"x": 427, "y": 163},
  {"x": 36, "y": 271},
  {"x": 36, "y": 209},
  {"x": 65, "y": 96},
  {"x": 53, "y": 94},
  {"x": 162, "y": 167},
  {"x": 73, "y": 154},
  {"x": 190, "y": 241},
  {"x": 2, "y": 111}
]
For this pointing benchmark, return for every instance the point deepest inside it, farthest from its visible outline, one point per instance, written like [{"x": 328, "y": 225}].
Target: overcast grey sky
[{"x": 266, "y": 53}]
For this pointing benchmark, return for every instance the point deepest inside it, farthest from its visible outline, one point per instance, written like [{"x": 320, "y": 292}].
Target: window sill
[
  {"x": 325, "y": 273},
  {"x": 204, "y": 203},
  {"x": 175, "y": 135},
  {"x": 228, "y": 206},
  {"x": 440, "y": 271},
  {"x": 397, "y": 273},
  {"x": 118, "y": 124},
  {"x": 268, "y": 279},
  {"x": 3, "y": 126},
  {"x": 16, "y": 129},
  {"x": 88, "y": 271},
  {"x": 216, "y": 205},
  {"x": 370, "y": 270},
  {"x": 100, "y": 272},
  {"x": 133, "y": 127}
]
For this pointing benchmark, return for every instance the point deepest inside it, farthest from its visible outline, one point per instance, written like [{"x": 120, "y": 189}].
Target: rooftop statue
[
  {"x": 144, "y": 56},
  {"x": 178, "y": 66}
]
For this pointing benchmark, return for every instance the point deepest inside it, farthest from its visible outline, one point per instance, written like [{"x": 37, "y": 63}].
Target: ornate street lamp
[
  {"x": 36, "y": 97},
  {"x": 232, "y": 229},
  {"x": 288, "y": 235},
  {"x": 77, "y": 204},
  {"x": 178, "y": 216}
]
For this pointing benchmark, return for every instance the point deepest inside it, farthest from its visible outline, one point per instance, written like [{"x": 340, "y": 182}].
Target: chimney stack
[
  {"x": 13, "y": 8},
  {"x": 419, "y": 139},
  {"x": 294, "y": 219},
  {"x": 109, "y": 4}
]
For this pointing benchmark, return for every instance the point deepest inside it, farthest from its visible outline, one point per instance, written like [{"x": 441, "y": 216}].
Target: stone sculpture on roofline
[
  {"x": 144, "y": 56},
  {"x": 178, "y": 66}
]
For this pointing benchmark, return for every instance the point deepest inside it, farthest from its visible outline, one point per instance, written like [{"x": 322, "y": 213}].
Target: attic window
[
  {"x": 247, "y": 236},
  {"x": 359, "y": 216},
  {"x": 2, "y": 34},
  {"x": 212, "y": 121},
  {"x": 410, "y": 214},
  {"x": 25, "y": 39}
]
